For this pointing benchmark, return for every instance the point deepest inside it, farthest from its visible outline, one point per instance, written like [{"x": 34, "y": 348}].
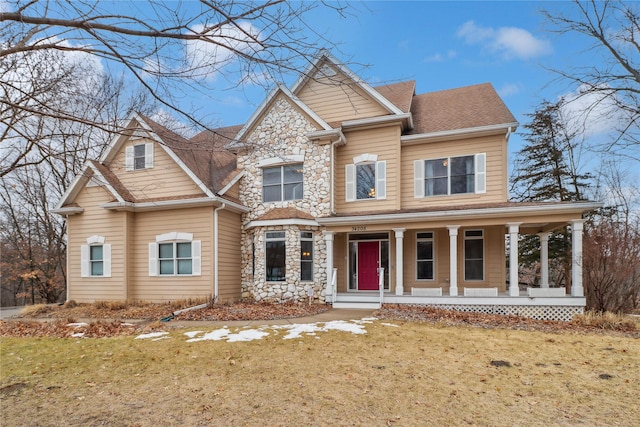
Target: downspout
[
  {"x": 331, "y": 189},
  {"x": 215, "y": 251}
]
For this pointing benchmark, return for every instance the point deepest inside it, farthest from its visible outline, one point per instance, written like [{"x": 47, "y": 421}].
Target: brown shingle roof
[
  {"x": 400, "y": 94},
  {"x": 284, "y": 213},
  {"x": 461, "y": 108},
  {"x": 204, "y": 154},
  {"x": 113, "y": 181}
]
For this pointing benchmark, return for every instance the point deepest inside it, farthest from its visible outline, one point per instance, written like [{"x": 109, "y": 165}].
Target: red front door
[{"x": 368, "y": 257}]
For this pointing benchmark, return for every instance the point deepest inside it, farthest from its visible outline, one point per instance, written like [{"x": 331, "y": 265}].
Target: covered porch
[{"x": 453, "y": 258}]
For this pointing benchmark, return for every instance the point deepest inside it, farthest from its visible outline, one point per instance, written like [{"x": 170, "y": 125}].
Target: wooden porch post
[
  {"x": 576, "y": 258},
  {"x": 544, "y": 259},
  {"x": 399, "y": 260},
  {"x": 328, "y": 238},
  {"x": 514, "y": 228},
  {"x": 453, "y": 259}
]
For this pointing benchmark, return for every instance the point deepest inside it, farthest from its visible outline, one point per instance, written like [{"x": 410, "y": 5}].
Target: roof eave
[
  {"x": 173, "y": 204},
  {"x": 447, "y": 135},
  {"x": 453, "y": 215}
]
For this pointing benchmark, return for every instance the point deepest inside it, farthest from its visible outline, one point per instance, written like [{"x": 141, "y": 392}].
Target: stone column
[
  {"x": 328, "y": 293},
  {"x": 544, "y": 259},
  {"x": 514, "y": 228},
  {"x": 576, "y": 258},
  {"x": 399, "y": 260},
  {"x": 453, "y": 259}
]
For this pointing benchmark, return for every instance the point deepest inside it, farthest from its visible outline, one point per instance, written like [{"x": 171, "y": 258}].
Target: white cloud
[
  {"x": 591, "y": 113},
  {"x": 439, "y": 57},
  {"x": 207, "y": 58},
  {"x": 509, "y": 89},
  {"x": 508, "y": 42}
]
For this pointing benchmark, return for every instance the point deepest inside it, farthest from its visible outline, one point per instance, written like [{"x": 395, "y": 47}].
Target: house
[{"x": 333, "y": 189}]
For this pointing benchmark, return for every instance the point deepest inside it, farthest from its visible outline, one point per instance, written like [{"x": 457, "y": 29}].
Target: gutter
[
  {"x": 450, "y": 134},
  {"x": 168, "y": 204},
  {"x": 216, "y": 254},
  {"x": 452, "y": 215}
]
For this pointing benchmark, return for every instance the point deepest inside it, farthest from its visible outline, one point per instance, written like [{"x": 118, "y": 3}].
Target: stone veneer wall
[{"x": 282, "y": 133}]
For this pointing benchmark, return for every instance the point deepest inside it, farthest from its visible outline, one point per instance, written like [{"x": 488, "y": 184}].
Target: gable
[
  {"x": 163, "y": 178},
  {"x": 336, "y": 97}
]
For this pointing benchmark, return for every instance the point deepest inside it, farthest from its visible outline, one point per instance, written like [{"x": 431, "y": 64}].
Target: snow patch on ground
[{"x": 151, "y": 335}]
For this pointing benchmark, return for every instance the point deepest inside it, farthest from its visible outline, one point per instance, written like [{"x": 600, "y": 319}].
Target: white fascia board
[
  {"x": 452, "y": 215},
  {"x": 67, "y": 211},
  {"x": 236, "y": 143},
  {"x": 273, "y": 222},
  {"x": 231, "y": 183},
  {"x": 451, "y": 134},
  {"x": 378, "y": 120},
  {"x": 73, "y": 188},
  {"x": 325, "y": 54},
  {"x": 172, "y": 204},
  {"x": 334, "y": 135},
  {"x": 118, "y": 139}
]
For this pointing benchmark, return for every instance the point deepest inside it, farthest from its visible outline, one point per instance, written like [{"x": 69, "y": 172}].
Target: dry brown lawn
[{"x": 413, "y": 374}]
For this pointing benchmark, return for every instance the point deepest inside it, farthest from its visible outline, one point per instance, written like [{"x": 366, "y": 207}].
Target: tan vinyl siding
[
  {"x": 148, "y": 225},
  {"x": 96, "y": 221},
  {"x": 165, "y": 179},
  {"x": 339, "y": 99},
  {"x": 496, "y": 165},
  {"x": 230, "y": 262},
  {"x": 340, "y": 253},
  {"x": 383, "y": 142},
  {"x": 234, "y": 191}
]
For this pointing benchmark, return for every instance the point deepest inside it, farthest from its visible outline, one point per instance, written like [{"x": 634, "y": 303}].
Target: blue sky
[{"x": 444, "y": 45}]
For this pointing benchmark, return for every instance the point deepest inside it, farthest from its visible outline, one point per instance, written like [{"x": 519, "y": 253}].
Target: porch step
[{"x": 357, "y": 304}]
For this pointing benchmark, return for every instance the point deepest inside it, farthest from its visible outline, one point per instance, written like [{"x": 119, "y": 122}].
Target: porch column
[
  {"x": 328, "y": 239},
  {"x": 544, "y": 259},
  {"x": 453, "y": 259},
  {"x": 514, "y": 228},
  {"x": 576, "y": 258},
  {"x": 399, "y": 260}
]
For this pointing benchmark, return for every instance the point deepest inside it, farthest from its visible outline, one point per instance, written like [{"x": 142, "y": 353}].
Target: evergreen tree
[{"x": 547, "y": 169}]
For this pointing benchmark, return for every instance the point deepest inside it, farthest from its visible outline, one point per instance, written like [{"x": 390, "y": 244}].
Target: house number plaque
[{"x": 359, "y": 228}]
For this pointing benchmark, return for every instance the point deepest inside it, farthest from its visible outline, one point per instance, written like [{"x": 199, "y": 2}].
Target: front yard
[{"x": 376, "y": 372}]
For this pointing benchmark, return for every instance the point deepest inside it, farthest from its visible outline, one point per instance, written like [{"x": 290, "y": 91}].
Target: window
[
  {"x": 473, "y": 255},
  {"x": 366, "y": 178},
  {"x": 281, "y": 183},
  {"x": 175, "y": 254},
  {"x": 450, "y": 175},
  {"x": 275, "y": 256},
  {"x": 306, "y": 256},
  {"x": 139, "y": 156},
  {"x": 175, "y": 258},
  {"x": 424, "y": 256},
  {"x": 95, "y": 258}
]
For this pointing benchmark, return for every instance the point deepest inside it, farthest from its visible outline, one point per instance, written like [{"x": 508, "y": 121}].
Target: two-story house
[{"x": 334, "y": 190}]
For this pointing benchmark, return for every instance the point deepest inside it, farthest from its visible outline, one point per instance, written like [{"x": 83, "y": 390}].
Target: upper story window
[
  {"x": 366, "y": 178},
  {"x": 139, "y": 156},
  {"x": 283, "y": 182},
  {"x": 450, "y": 175}
]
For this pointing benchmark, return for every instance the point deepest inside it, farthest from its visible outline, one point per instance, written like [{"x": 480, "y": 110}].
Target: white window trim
[
  {"x": 176, "y": 237},
  {"x": 351, "y": 183},
  {"x": 312, "y": 261},
  {"x": 282, "y": 184},
  {"x": 275, "y": 239},
  {"x": 480, "y": 176},
  {"x": 148, "y": 157},
  {"x": 85, "y": 257},
  {"x": 433, "y": 259},
  {"x": 464, "y": 255}
]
